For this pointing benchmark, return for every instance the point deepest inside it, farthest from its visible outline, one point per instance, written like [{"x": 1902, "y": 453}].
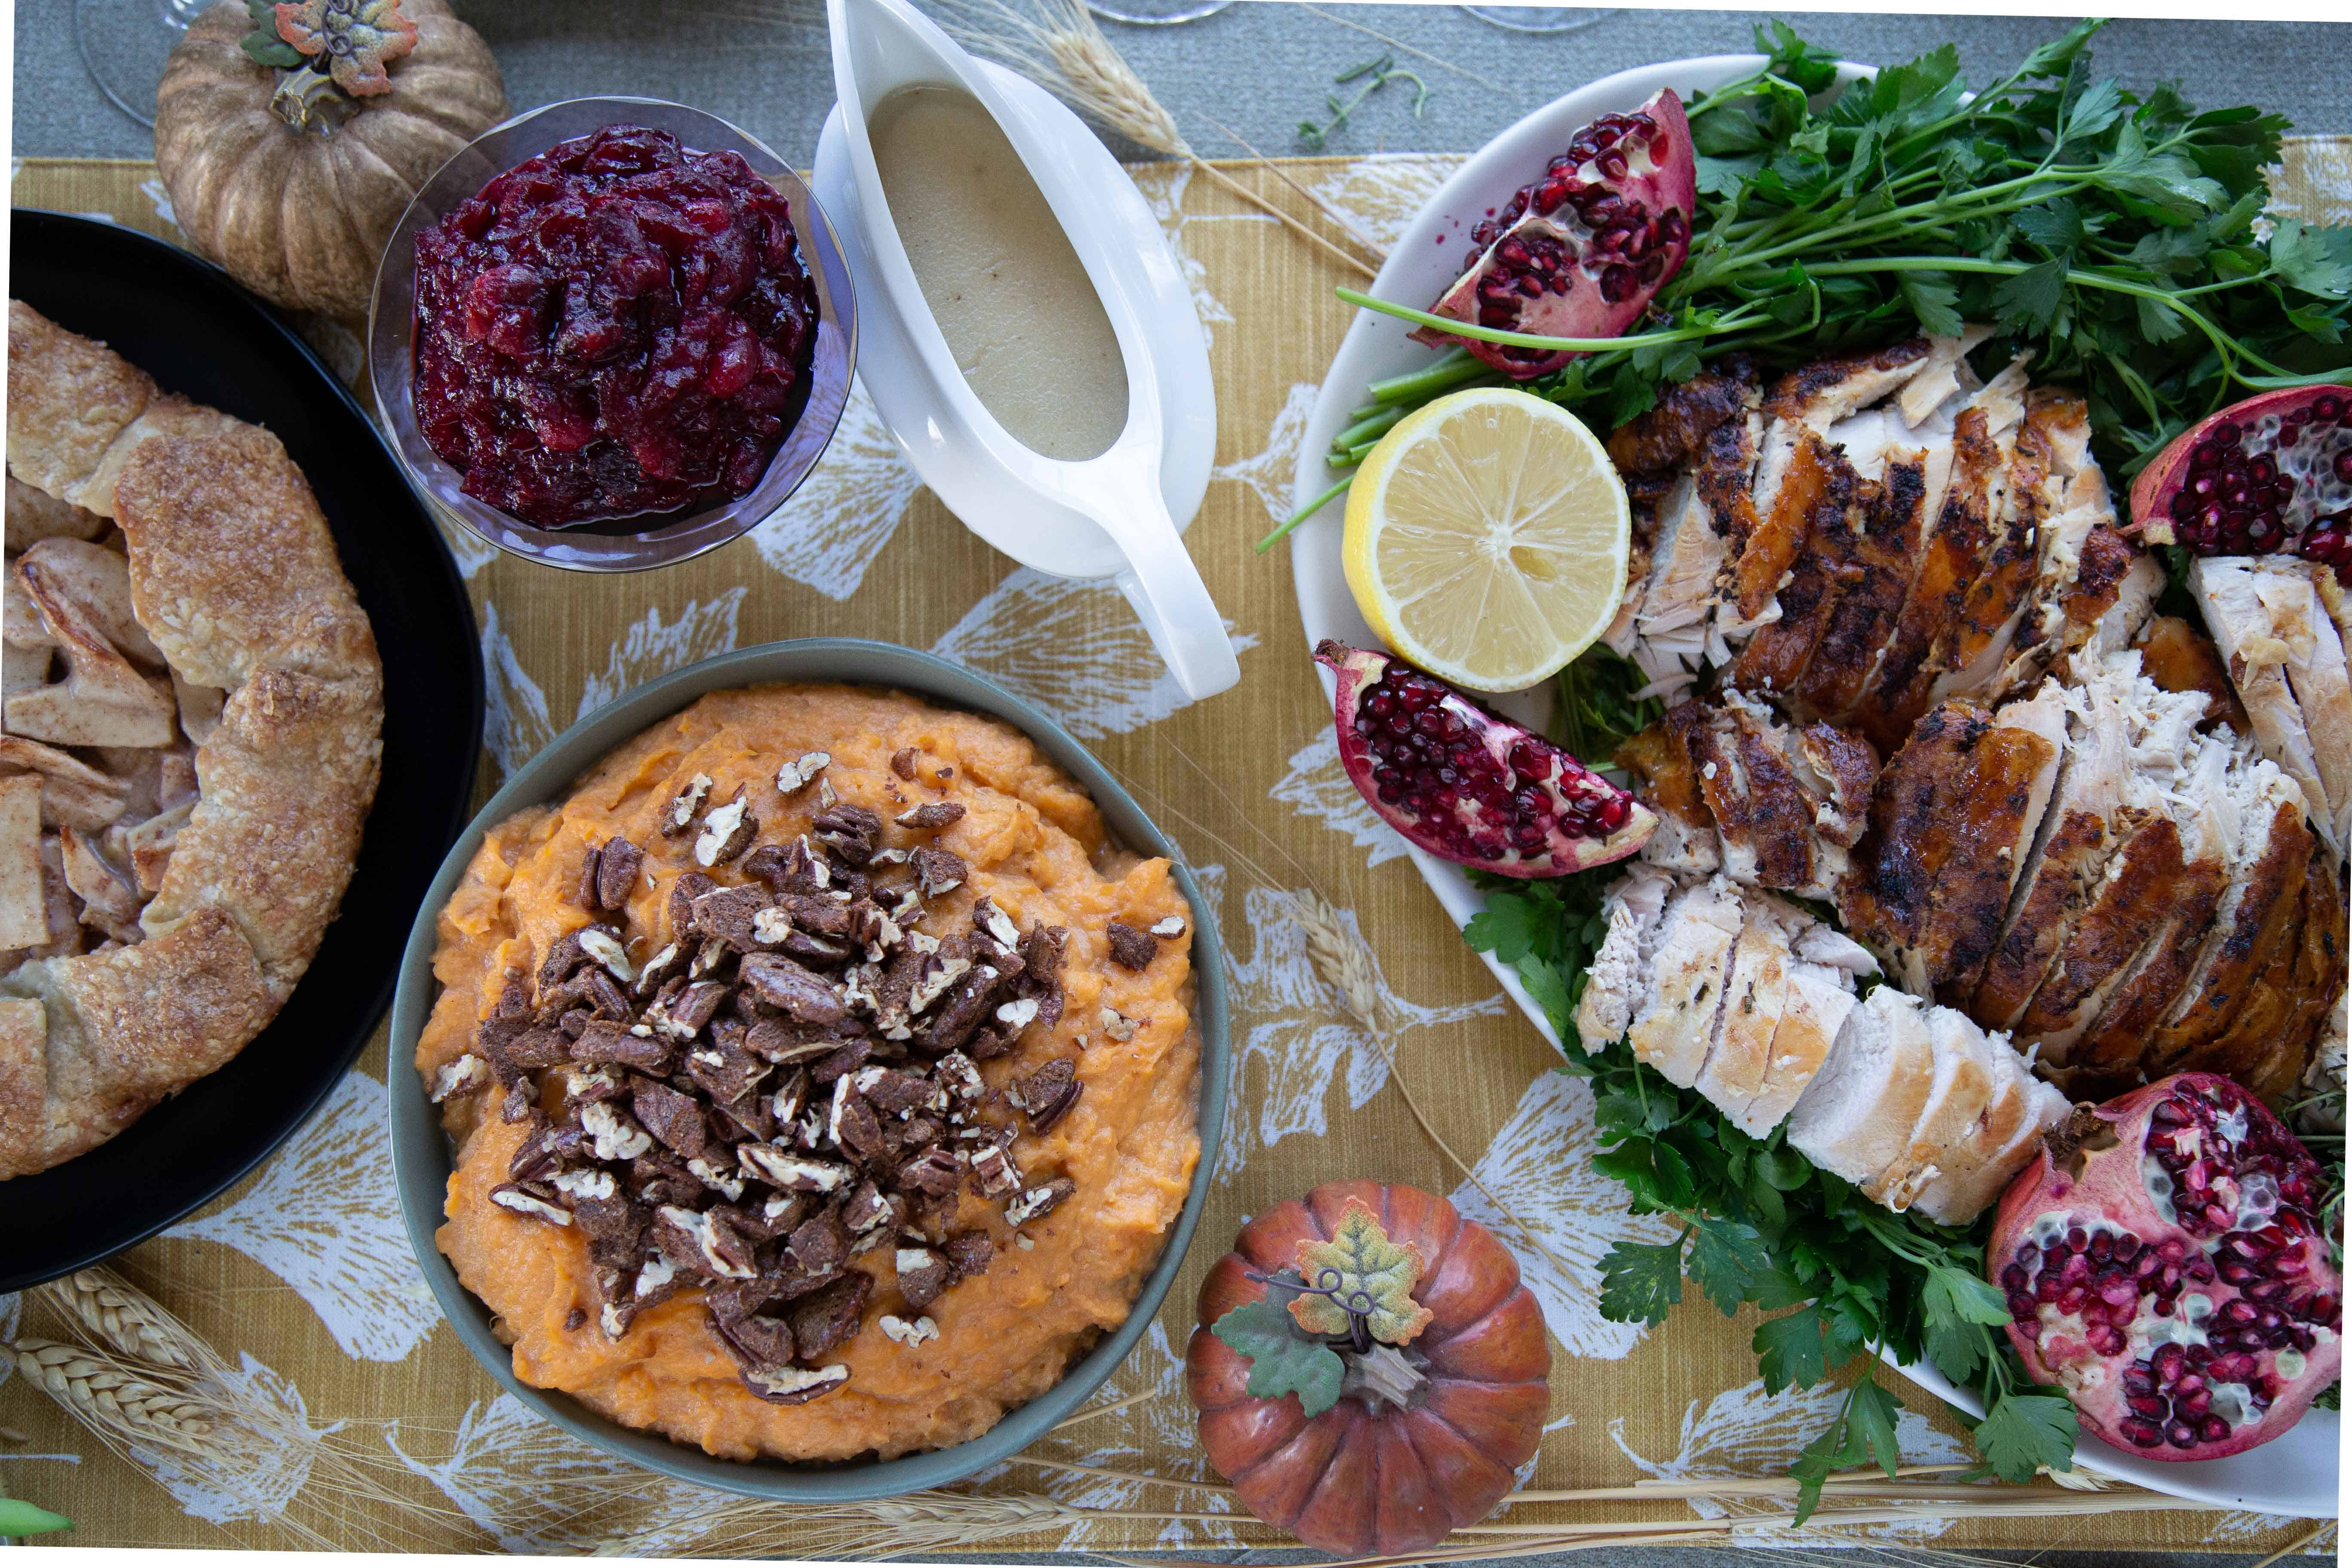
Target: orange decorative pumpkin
[{"x": 1414, "y": 1369}]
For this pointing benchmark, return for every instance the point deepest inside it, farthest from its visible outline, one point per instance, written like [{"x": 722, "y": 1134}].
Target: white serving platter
[{"x": 2294, "y": 1475}]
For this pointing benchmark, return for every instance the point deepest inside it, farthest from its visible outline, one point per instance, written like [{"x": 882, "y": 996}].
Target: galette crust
[{"x": 235, "y": 578}]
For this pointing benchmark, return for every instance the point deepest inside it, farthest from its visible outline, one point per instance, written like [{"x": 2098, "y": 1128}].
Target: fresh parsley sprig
[
  {"x": 2119, "y": 235},
  {"x": 1848, "y": 1280}
]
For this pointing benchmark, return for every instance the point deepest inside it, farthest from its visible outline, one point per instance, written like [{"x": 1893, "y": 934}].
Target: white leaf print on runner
[
  {"x": 324, "y": 1217},
  {"x": 515, "y": 724},
  {"x": 1145, "y": 1439},
  {"x": 1382, "y": 194},
  {"x": 1163, "y": 186},
  {"x": 525, "y": 1482},
  {"x": 1271, "y": 472},
  {"x": 649, "y": 648},
  {"x": 468, "y": 549},
  {"x": 1297, "y": 1035},
  {"x": 1075, "y": 648},
  {"x": 1543, "y": 1159},
  {"x": 1526, "y": 1472},
  {"x": 1316, "y": 785},
  {"x": 1746, "y": 1431},
  {"x": 834, "y": 526},
  {"x": 253, "y": 1474},
  {"x": 12, "y": 1317}
]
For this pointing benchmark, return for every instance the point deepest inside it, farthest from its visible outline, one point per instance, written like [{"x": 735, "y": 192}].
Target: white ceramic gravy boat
[{"x": 1117, "y": 515}]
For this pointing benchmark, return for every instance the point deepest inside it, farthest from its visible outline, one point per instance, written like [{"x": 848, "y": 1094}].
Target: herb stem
[
  {"x": 1458, "y": 367},
  {"x": 1309, "y": 510},
  {"x": 1536, "y": 341}
]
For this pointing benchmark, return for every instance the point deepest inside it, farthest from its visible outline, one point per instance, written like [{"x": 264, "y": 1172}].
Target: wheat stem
[
  {"x": 1335, "y": 217},
  {"x": 1255, "y": 199}
]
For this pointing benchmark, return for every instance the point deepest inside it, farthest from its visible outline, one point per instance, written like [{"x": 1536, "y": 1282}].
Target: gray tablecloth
[{"x": 1257, "y": 67}]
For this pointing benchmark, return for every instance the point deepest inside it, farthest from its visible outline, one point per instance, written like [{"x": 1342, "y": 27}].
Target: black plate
[{"x": 196, "y": 333}]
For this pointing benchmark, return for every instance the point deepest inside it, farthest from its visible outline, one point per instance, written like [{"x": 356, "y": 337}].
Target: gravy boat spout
[{"x": 1116, "y": 514}]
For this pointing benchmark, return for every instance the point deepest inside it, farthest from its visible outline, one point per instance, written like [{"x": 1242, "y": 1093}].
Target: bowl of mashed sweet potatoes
[{"x": 802, "y": 1070}]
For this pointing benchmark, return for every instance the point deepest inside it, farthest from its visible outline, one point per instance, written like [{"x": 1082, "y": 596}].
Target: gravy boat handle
[{"x": 1162, "y": 582}]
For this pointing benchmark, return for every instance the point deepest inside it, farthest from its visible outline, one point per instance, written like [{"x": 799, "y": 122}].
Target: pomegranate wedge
[
  {"x": 1465, "y": 783},
  {"x": 1580, "y": 252},
  {"x": 2163, "y": 1263}
]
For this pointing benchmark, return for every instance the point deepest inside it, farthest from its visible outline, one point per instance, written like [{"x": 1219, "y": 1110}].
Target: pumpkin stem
[
  {"x": 308, "y": 100},
  {"x": 1383, "y": 1372}
]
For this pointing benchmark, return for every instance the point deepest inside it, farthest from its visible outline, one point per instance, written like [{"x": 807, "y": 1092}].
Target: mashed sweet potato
[{"x": 1032, "y": 842}]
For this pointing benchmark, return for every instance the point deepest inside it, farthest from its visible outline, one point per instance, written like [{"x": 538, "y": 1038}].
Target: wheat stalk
[
  {"x": 103, "y": 1395},
  {"x": 1058, "y": 45},
  {"x": 122, "y": 1318},
  {"x": 158, "y": 1397}
]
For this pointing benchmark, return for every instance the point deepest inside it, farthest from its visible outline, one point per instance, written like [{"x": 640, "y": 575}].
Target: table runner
[{"x": 302, "y": 1276}]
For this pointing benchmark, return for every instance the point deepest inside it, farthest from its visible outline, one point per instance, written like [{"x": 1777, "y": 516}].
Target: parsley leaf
[
  {"x": 1640, "y": 1282},
  {"x": 1935, "y": 300},
  {"x": 2022, "y": 1431},
  {"x": 1728, "y": 1261}
]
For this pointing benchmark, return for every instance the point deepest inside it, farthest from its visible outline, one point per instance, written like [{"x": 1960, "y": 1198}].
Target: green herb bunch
[
  {"x": 1762, "y": 1225},
  {"x": 2114, "y": 232}
]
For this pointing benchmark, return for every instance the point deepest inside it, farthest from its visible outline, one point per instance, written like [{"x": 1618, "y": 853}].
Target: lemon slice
[{"x": 1487, "y": 537}]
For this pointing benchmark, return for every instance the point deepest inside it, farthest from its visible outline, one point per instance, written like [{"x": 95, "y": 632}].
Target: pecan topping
[{"x": 1130, "y": 948}]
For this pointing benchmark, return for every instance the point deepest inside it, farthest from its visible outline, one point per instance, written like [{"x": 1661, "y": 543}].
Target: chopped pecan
[
  {"x": 938, "y": 871},
  {"x": 1130, "y": 948},
  {"x": 728, "y": 914},
  {"x": 795, "y": 1384},
  {"x": 922, "y": 1276},
  {"x": 935, "y": 1172},
  {"x": 689, "y": 886},
  {"x": 798, "y": 774},
  {"x": 676, "y": 1118},
  {"x": 969, "y": 1253},
  {"x": 851, "y": 832},
  {"x": 727, "y": 831},
  {"x": 1048, "y": 1093},
  {"x": 800, "y": 992},
  {"x": 902, "y": 762},
  {"x": 1039, "y": 1202},
  {"x": 507, "y": 1196},
  {"x": 603, "y": 1041},
  {"x": 819, "y": 1246},
  {"x": 685, "y": 806},
  {"x": 829, "y": 1318},
  {"x": 930, "y": 816}
]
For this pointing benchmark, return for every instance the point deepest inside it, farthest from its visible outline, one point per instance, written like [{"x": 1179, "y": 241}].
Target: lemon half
[{"x": 1486, "y": 538}]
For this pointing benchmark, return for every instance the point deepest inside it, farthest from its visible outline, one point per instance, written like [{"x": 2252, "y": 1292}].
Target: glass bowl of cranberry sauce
[{"x": 625, "y": 358}]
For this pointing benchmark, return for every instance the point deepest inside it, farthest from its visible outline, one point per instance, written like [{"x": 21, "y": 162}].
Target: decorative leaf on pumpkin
[
  {"x": 1281, "y": 1361},
  {"x": 1361, "y": 1273},
  {"x": 358, "y": 38},
  {"x": 263, "y": 46}
]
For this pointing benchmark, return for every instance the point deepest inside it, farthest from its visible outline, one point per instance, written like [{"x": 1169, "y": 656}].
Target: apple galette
[{"x": 189, "y": 738}]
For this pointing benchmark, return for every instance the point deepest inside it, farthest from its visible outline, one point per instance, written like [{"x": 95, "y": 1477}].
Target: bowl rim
[
  {"x": 421, "y": 1153},
  {"x": 389, "y": 349}
]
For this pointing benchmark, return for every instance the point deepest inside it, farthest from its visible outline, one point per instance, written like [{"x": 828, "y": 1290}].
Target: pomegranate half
[
  {"x": 1465, "y": 783},
  {"x": 1580, "y": 252},
  {"x": 2271, "y": 475},
  {"x": 2163, "y": 1263}
]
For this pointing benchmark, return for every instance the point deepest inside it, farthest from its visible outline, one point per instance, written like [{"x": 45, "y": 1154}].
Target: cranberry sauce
[{"x": 615, "y": 327}]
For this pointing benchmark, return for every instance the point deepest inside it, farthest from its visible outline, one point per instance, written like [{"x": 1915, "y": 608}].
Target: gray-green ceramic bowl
[{"x": 421, "y": 1153}]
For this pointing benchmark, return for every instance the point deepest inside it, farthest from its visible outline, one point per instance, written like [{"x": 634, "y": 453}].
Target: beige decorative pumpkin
[{"x": 293, "y": 183}]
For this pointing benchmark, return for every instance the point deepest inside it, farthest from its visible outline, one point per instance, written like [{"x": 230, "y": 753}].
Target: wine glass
[
  {"x": 1538, "y": 18},
  {"x": 125, "y": 42},
  {"x": 1157, "y": 13}
]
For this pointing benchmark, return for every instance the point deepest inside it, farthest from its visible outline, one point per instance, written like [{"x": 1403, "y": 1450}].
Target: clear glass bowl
[{"x": 619, "y": 545}]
